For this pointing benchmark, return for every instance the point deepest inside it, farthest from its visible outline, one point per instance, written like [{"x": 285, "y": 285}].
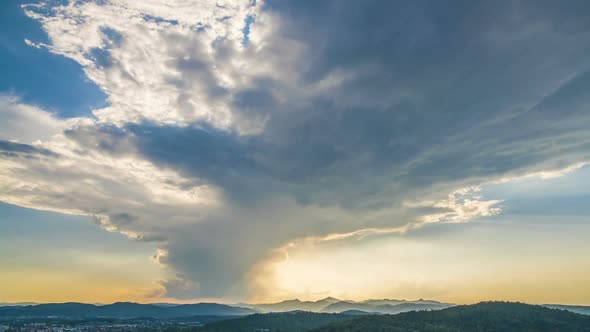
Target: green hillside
[
  {"x": 296, "y": 321},
  {"x": 482, "y": 317}
]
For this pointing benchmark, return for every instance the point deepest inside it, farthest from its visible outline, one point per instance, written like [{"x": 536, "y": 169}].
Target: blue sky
[
  {"x": 38, "y": 76},
  {"x": 238, "y": 151},
  {"x": 58, "y": 84}
]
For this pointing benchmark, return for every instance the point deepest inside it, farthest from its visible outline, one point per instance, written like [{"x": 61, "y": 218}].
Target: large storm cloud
[{"x": 234, "y": 128}]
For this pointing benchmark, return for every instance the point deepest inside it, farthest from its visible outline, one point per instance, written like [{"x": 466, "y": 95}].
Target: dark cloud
[
  {"x": 202, "y": 152},
  {"x": 105, "y": 138},
  {"x": 384, "y": 102},
  {"x": 428, "y": 96}
]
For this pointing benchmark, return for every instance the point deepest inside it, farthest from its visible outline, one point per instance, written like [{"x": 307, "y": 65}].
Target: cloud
[
  {"x": 462, "y": 205},
  {"x": 333, "y": 120},
  {"x": 85, "y": 174},
  {"x": 161, "y": 61},
  {"x": 26, "y": 123},
  {"x": 12, "y": 149}
]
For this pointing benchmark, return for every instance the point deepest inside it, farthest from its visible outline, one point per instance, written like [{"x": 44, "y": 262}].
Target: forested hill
[
  {"x": 294, "y": 321},
  {"x": 482, "y": 317}
]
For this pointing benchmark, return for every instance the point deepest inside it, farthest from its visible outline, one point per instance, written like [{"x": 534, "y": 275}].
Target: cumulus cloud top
[{"x": 234, "y": 128}]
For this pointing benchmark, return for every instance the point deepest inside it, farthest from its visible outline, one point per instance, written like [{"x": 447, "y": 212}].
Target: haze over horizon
[{"x": 263, "y": 150}]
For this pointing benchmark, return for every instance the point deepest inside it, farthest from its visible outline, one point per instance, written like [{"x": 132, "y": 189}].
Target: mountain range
[
  {"x": 333, "y": 305},
  {"x": 481, "y": 317},
  {"x": 330, "y": 305},
  {"x": 579, "y": 309},
  {"x": 121, "y": 310}
]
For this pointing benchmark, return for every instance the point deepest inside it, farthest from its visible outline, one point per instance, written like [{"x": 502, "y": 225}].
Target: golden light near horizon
[
  {"x": 47, "y": 286},
  {"x": 399, "y": 275},
  {"x": 472, "y": 263}
]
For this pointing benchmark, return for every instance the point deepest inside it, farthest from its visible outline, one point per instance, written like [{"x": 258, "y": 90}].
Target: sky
[{"x": 262, "y": 150}]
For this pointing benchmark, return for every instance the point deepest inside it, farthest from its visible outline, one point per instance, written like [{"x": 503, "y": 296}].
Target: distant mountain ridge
[
  {"x": 481, "y": 317},
  {"x": 579, "y": 309},
  {"x": 122, "y": 310},
  {"x": 333, "y": 305},
  {"x": 296, "y": 304},
  {"x": 172, "y": 310},
  {"x": 385, "y": 308},
  {"x": 14, "y": 304}
]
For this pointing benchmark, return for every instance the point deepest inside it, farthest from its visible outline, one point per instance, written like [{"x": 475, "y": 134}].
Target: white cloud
[
  {"x": 157, "y": 61},
  {"x": 26, "y": 123},
  {"x": 462, "y": 205},
  {"x": 123, "y": 192}
]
